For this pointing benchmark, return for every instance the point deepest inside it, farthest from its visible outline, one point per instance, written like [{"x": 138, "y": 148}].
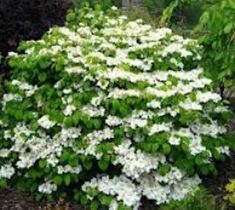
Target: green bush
[
  {"x": 217, "y": 26},
  {"x": 111, "y": 111}
]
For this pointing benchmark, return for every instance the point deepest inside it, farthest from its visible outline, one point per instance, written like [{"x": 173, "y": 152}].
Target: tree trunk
[
  {"x": 136, "y": 3},
  {"x": 126, "y": 4}
]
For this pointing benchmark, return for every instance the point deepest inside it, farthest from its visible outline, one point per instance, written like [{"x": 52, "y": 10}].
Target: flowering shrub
[{"x": 112, "y": 111}]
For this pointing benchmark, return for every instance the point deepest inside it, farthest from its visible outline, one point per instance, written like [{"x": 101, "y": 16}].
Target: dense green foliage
[{"x": 217, "y": 25}]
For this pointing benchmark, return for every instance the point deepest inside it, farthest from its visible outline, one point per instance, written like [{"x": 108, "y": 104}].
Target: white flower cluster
[
  {"x": 68, "y": 169},
  {"x": 135, "y": 163},
  {"x": 47, "y": 188},
  {"x": 120, "y": 187},
  {"x": 29, "y": 89},
  {"x": 223, "y": 150},
  {"x": 10, "y": 97},
  {"x": 7, "y": 171},
  {"x": 161, "y": 189},
  {"x": 179, "y": 187},
  {"x": 31, "y": 147},
  {"x": 45, "y": 122},
  {"x": 157, "y": 128}
]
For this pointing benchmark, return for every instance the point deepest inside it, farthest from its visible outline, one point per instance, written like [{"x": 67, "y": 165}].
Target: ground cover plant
[
  {"x": 110, "y": 111},
  {"x": 230, "y": 188}
]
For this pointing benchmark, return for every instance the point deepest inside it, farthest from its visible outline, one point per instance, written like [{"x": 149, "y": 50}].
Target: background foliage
[
  {"x": 217, "y": 25},
  {"x": 27, "y": 19}
]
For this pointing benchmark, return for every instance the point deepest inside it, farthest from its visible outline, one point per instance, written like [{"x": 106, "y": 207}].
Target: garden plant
[{"x": 112, "y": 112}]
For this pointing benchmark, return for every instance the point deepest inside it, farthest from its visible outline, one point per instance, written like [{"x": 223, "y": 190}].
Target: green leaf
[
  {"x": 166, "y": 148},
  {"x": 104, "y": 162},
  {"x": 67, "y": 180},
  {"x": 199, "y": 160},
  {"x": 163, "y": 169},
  {"x": 42, "y": 163},
  {"x": 228, "y": 28},
  {"x": 3, "y": 183},
  {"x": 94, "y": 205},
  {"x": 83, "y": 199},
  {"x": 44, "y": 63},
  {"x": 87, "y": 163},
  {"x": 58, "y": 180},
  {"x": 38, "y": 197},
  {"x": 105, "y": 199},
  {"x": 42, "y": 76}
]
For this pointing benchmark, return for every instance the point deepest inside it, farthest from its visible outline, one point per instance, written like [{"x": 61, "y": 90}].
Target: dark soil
[
  {"x": 11, "y": 199},
  {"x": 216, "y": 184}
]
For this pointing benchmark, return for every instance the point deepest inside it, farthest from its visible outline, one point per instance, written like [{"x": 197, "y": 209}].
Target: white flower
[
  {"x": 113, "y": 205},
  {"x": 96, "y": 101},
  {"x": 93, "y": 111},
  {"x": 114, "y": 8},
  {"x": 45, "y": 122},
  {"x": 4, "y": 153},
  {"x": 136, "y": 123},
  {"x": 47, "y": 188},
  {"x": 212, "y": 129},
  {"x": 113, "y": 121},
  {"x": 103, "y": 84},
  {"x": 156, "y": 128},
  {"x": 204, "y": 97},
  {"x": 180, "y": 186},
  {"x": 190, "y": 105},
  {"x": 75, "y": 70},
  {"x": 121, "y": 187},
  {"x": 7, "y": 171},
  {"x": 10, "y": 97},
  {"x": 69, "y": 110},
  {"x": 120, "y": 93},
  {"x": 223, "y": 150},
  {"x": 67, "y": 91},
  {"x": 174, "y": 140},
  {"x": 135, "y": 163},
  {"x": 70, "y": 133},
  {"x": 154, "y": 104},
  {"x": 196, "y": 146},
  {"x": 68, "y": 169},
  {"x": 29, "y": 89}
]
